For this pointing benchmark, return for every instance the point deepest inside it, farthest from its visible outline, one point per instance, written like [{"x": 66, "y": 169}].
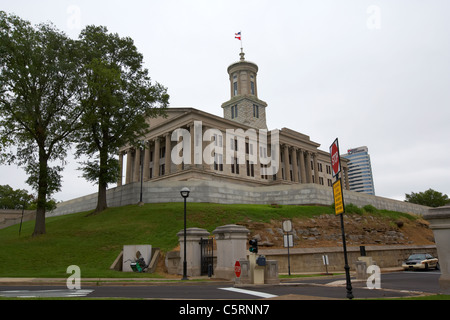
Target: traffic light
[{"x": 254, "y": 246}]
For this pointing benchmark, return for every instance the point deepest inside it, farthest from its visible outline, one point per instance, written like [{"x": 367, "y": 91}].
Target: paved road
[{"x": 398, "y": 284}]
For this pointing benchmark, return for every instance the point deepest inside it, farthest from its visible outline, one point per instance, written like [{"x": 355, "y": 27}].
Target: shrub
[
  {"x": 351, "y": 208},
  {"x": 370, "y": 208}
]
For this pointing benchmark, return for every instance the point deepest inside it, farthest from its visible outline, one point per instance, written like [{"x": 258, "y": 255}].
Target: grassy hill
[{"x": 93, "y": 241}]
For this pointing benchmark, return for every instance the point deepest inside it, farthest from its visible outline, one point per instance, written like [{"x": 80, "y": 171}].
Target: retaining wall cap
[
  {"x": 231, "y": 228},
  {"x": 194, "y": 232},
  {"x": 438, "y": 213}
]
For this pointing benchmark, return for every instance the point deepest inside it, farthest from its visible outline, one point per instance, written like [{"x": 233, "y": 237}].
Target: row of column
[
  {"x": 134, "y": 155},
  {"x": 301, "y": 163}
]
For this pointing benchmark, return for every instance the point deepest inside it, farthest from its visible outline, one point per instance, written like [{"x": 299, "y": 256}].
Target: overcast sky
[{"x": 371, "y": 73}]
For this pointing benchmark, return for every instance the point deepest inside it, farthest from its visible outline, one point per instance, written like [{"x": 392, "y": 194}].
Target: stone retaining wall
[
  {"x": 231, "y": 193},
  {"x": 310, "y": 259}
]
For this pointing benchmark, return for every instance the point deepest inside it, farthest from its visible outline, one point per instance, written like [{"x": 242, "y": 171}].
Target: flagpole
[{"x": 242, "y": 47}]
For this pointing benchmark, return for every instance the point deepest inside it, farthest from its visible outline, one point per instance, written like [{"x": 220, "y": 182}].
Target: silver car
[{"x": 422, "y": 261}]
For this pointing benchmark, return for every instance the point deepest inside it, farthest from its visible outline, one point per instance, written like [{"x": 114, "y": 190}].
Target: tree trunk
[
  {"x": 102, "y": 182},
  {"x": 39, "y": 227},
  {"x": 101, "y": 200}
]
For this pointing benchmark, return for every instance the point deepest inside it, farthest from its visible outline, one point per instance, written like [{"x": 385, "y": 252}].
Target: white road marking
[
  {"x": 64, "y": 293},
  {"x": 250, "y": 292}
]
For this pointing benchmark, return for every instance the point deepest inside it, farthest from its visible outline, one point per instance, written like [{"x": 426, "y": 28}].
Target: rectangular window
[
  {"x": 234, "y": 112},
  {"x": 252, "y": 84},
  {"x": 250, "y": 169},
  {"x": 234, "y": 165},
  {"x": 234, "y": 144},
  {"x": 218, "y": 162},
  {"x": 255, "y": 111},
  {"x": 217, "y": 140},
  {"x": 235, "y": 88},
  {"x": 264, "y": 166}
]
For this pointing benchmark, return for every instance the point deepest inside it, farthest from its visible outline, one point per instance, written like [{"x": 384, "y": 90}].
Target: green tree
[
  {"x": 14, "y": 199},
  {"x": 118, "y": 98},
  {"x": 39, "y": 108},
  {"x": 430, "y": 198}
]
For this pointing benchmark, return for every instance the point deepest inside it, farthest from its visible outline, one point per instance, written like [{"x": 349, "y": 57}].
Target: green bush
[
  {"x": 351, "y": 208},
  {"x": 369, "y": 208}
]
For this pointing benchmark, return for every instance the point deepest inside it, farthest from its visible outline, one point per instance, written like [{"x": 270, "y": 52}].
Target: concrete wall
[{"x": 230, "y": 193}]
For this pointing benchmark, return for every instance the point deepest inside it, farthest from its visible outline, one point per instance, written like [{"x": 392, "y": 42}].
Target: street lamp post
[
  {"x": 142, "y": 147},
  {"x": 185, "y": 194}
]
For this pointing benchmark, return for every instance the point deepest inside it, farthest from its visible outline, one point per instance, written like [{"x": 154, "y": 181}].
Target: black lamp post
[
  {"x": 142, "y": 148},
  {"x": 185, "y": 194}
]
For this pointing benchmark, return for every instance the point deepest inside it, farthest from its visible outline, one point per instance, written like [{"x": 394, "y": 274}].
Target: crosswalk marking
[
  {"x": 250, "y": 292},
  {"x": 61, "y": 293}
]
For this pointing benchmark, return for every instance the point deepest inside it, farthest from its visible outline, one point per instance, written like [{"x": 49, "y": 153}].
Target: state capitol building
[{"x": 189, "y": 144}]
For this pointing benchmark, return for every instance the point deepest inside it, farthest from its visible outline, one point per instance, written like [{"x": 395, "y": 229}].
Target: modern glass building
[{"x": 360, "y": 170}]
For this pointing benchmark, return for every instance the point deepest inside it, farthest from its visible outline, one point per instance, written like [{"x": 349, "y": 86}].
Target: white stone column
[
  {"x": 287, "y": 169},
  {"x": 294, "y": 163},
  {"x": 128, "y": 177},
  {"x": 119, "y": 180},
  {"x": 147, "y": 161},
  {"x": 316, "y": 169},
  {"x": 193, "y": 250},
  {"x": 439, "y": 219},
  {"x": 156, "y": 155},
  {"x": 302, "y": 167},
  {"x": 308, "y": 167},
  {"x": 137, "y": 165},
  {"x": 231, "y": 241},
  {"x": 168, "y": 163}
]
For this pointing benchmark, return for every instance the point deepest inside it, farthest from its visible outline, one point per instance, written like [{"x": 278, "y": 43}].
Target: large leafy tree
[
  {"x": 118, "y": 98},
  {"x": 430, "y": 198},
  {"x": 39, "y": 109},
  {"x": 14, "y": 199}
]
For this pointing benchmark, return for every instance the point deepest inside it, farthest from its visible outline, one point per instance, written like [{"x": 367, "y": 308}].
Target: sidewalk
[
  {"x": 203, "y": 280},
  {"x": 111, "y": 281}
]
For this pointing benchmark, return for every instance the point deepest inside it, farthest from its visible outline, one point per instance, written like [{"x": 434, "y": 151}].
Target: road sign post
[
  {"x": 287, "y": 228},
  {"x": 339, "y": 207},
  {"x": 335, "y": 158}
]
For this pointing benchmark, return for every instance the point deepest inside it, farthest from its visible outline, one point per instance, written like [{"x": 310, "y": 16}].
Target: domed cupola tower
[{"x": 244, "y": 106}]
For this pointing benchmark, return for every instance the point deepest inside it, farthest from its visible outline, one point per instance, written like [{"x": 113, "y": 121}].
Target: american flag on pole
[{"x": 237, "y": 35}]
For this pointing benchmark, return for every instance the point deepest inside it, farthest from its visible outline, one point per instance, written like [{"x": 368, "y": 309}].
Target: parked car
[{"x": 423, "y": 261}]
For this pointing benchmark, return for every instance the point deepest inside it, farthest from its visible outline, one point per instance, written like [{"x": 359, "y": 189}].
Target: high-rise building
[{"x": 360, "y": 170}]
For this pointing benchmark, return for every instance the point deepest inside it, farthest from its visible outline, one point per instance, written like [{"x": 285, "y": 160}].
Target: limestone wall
[{"x": 231, "y": 193}]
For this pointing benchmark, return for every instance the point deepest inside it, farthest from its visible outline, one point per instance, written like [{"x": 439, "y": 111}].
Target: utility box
[
  {"x": 252, "y": 273},
  {"x": 256, "y": 271}
]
